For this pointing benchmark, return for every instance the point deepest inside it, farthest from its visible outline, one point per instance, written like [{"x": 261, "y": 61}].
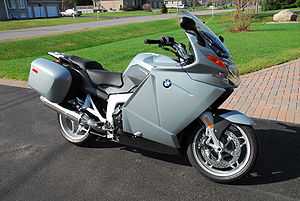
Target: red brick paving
[{"x": 273, "y": 93}]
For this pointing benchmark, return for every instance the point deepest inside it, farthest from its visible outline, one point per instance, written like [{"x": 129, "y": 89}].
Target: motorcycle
[{"x": 158, "y": 103}]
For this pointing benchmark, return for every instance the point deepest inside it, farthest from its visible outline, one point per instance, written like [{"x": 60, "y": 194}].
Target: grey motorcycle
[{"x": 158, "y": 103}]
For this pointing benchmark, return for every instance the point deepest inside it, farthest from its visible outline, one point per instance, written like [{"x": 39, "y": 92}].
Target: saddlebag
[{"x": 50, "y": 79}]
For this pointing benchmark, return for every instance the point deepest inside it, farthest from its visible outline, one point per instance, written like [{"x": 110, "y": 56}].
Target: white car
[
  {"x": 174, "y": 4},
  {"x": 70, "y": 13}
]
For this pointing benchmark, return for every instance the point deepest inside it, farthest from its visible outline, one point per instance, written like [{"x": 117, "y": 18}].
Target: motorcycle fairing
[{"x": 160, "y": 113}]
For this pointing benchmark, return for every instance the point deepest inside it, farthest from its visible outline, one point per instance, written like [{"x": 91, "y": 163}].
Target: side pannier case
[{"x": 50, "y": 80}]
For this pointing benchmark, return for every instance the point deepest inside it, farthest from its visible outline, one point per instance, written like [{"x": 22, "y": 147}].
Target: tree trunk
[{"x": 256, "y": 6}]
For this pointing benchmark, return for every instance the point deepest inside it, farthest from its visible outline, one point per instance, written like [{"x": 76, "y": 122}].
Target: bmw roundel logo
[{"x": 167, "y": 83}]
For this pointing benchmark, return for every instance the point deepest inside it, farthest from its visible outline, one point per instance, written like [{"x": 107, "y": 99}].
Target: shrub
[
  {"x": 147, "y": 7},
  {"x": 242, "y": 17},
  {"x": 298, "y": 3},
  {"x": 163, "y": 9},
  {"x": 285, "y": 6},
  {"x": 241, "y": 22},
  {"x": 271, "y": 5},
  {"x": 278, "y": 4}
]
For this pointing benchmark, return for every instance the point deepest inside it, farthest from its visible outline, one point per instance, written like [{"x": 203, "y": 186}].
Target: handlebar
[
  {"x": 165, "y": 41},
  {"x": 149, "y": 41},
  {"x": 178, "y": 49}
]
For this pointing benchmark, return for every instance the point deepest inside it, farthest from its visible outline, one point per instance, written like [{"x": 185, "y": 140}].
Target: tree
[
  {"x": 84, "y": 2},
  {"x": 97, "y": 4},
  {"x": 68, "y": 4},
  {"x": 163, "y": 9}
]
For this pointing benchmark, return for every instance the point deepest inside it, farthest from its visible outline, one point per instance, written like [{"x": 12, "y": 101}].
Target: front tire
[
  {"x": 73, "y": 131},
  {"x": 238, "y": 155}
]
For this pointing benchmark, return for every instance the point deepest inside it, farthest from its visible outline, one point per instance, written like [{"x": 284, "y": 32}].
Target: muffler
[{"x": 68, "y": 113}]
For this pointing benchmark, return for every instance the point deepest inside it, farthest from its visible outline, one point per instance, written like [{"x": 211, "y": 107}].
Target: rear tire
[
  {"x": 200, "y": 156},
  {"x": 74, "y": 132}
]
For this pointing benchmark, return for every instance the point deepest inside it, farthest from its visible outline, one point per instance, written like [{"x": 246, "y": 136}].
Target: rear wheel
[
  {"x": 232, "y": 161},
  {"x": 72, "y": 131}
]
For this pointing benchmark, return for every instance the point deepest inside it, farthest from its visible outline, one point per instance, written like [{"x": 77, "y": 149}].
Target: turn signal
[{"x": 216, "y": 61}]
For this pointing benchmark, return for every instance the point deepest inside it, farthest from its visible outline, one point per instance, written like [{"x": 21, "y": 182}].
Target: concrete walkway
[
  {"x": 50, "y": 30},
  {"x": 273, "y": 93},
  {"x": 14, "y": 83}
]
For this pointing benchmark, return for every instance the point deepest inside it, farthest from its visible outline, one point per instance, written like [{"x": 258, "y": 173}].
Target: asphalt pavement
[
  {"x": 50, "y": 30},
  {"x": 36, "y": 163}
]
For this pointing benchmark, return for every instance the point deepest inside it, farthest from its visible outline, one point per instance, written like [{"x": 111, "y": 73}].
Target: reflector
[{"x": 35, "y": 70}]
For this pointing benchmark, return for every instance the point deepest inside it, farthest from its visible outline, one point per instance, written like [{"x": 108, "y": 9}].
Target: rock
[{"x": 285, "y": 16}]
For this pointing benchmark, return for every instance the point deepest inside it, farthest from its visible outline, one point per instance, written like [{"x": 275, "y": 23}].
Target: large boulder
[{"x": 285, "y": 16}]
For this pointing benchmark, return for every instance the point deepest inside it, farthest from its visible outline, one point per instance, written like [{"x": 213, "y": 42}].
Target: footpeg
[
  {"x": 94, "y": 124},
  {"x": 138, "y": 134}
]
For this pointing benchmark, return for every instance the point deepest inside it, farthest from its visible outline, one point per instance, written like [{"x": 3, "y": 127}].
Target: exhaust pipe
[{"x": 54, "y": 106}]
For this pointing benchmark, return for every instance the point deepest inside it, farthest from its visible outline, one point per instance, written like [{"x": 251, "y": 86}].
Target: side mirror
[
  {"x": 188, "y": 24},
  {"x": 221, "y": 39}
]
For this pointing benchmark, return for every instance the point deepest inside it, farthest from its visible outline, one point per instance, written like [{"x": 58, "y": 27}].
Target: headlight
[{"x": 234, "y": 75}]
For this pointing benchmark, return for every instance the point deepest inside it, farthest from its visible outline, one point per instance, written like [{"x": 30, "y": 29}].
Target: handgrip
[{"x": 149, "y": 41}]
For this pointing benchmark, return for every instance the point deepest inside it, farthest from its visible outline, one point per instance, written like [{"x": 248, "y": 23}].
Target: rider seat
[
  {"x": 97, "y": 74},
  {"x": 84, "y": 64},
  {"x": 103, "y": 78}
]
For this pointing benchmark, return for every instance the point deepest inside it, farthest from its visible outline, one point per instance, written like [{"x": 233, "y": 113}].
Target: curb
[
  {"x": 272, "y": 67},
  {"x": 14, "y": 83}
]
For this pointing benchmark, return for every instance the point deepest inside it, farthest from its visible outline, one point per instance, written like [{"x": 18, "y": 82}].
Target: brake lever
[{"x": 173, "y": 50}]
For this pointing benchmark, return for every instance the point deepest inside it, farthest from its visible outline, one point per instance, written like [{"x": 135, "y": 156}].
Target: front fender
[
  {"x": 235, "y": 117},
  {"x": 222, "y": 119}
]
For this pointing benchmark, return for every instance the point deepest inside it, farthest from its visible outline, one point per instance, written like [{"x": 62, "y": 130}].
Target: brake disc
[{"x": 228, "y": 156}]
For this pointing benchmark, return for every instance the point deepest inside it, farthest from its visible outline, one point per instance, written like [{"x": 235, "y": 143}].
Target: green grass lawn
[
  {"x": 21, "y": 24},
  {"x": 30, "y": 23},
  {"x": 141, "y": 12},
  {"x": 91, "y": 17},
  {"x": 114, "y": 47},
  {"x": 125, "y": 13}
]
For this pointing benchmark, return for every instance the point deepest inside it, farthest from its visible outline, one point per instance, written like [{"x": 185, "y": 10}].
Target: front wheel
[{"x": 232, "y": 161}]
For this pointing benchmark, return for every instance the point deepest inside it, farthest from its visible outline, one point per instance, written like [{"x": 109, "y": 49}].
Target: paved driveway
[
  {"x": 42, "y": 31},
  {"x": 37, "y": 164},
  {"x": 273, "y": 93}
]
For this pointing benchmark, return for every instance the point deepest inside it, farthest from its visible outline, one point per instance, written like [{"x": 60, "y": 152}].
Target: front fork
[
  {"x": 217, "y": 123},
  {"x": 214, "y": 127}
]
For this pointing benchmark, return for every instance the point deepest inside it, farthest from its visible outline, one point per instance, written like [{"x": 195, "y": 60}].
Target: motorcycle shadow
[
  {"x": 170, "y": 158},
  {"x": 101, "y": 143},
  {"x": 278, "y": 158},
  {"x": 279, "y": 155},
  {"x": 174, "y": 157}
]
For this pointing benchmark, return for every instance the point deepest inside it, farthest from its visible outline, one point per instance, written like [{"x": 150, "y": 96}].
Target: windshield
[{"x": 211, "y": 39}]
